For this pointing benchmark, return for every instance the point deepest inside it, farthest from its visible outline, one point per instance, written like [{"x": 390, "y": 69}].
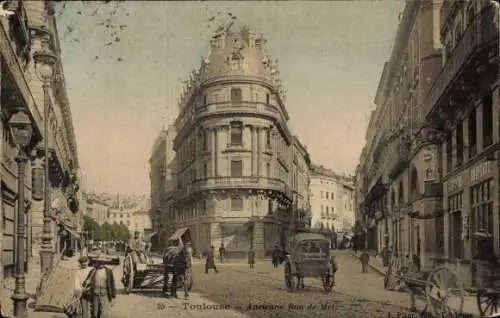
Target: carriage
[
  {"x": 309, "y": 257},
  {"x": 142, "y": 273}
]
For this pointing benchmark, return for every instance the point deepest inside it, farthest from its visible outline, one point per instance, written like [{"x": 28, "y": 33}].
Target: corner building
[{"x": 234, "y": 151}]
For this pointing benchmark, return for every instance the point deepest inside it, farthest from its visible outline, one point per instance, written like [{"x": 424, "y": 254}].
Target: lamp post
[
  {"x": 44, "y": 69},
  {"x": 21, "y": 131}
]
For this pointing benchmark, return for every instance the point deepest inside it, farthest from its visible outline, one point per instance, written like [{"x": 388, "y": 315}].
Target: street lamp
[
  {"x": 21, "y": 131},
  {"x": 44, "y": 68}
]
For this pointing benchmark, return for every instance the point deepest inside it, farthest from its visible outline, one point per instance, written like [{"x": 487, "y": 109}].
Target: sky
[{"x": 124, "y": 87}]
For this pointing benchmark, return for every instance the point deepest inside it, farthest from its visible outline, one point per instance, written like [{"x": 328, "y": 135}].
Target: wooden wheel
[
  {"x": 327, "y": 280},
  {"x": 444, "y": 293},
  {"x": 488, "y": 302},
  {"x": 291, "y": 280}
]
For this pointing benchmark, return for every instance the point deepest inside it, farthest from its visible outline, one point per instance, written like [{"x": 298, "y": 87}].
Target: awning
[
  {"x": 178, "y": 234},
  {"x": 148, "y": 237}
]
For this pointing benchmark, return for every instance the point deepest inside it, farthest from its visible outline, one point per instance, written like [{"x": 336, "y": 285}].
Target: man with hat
[
  {"x": 102, "y": 290},
  {"x": 83, "y": 278}
]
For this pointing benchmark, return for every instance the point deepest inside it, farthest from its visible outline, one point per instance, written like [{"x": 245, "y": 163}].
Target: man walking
[
  {"x": 222, "y": 253},
  {"x": 365, "y": 259},
  {"x": 210, "y": 261},
  {"x": 276, "y": 256},
  {"x": 251, "y": 258},
  {"x": 103, "y": 291}
]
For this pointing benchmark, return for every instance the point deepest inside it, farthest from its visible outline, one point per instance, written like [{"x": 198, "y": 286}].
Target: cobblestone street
[{"x": 355, "y": 295}]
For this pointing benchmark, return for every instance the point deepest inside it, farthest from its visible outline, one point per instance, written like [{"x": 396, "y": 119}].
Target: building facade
[
  {"x": 162, "y": 185},
  {"x": 332, "y": 200},
  {"x": 463, "y": 104},
  {"x": 234, "y": 150},
  {"x": 399, "y": 193},
  {"x": 132, "y": 212},
  {"x": 31, "y": 28},
  {"x": 96, "y": 208}
]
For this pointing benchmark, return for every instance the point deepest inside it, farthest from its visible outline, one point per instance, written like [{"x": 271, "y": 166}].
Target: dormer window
[{"x": 235, "y": 62}]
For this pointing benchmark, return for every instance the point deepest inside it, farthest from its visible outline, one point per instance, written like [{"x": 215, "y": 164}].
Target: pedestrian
[
  {"x": 181, "y": 263},
  {"x": 210, "y": 261},
  {"x": 276, "y": 256},
  {"x": 365, "y": 259},
  {"x": 83, "y": 278},
  {"x": 251, "y": 258},
  {"x": 222, "y": 253},
  {"x": 102, "y": 290}
]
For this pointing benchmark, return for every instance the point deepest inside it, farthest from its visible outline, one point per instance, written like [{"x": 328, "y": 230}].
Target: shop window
[
  {"x": 456, "y": 242},
  {"x": 482, "y": 208},
  {"x": 472, "y": 133},
  {"x": 460, "y": 142},
  {"x": 487, "y": 120}
]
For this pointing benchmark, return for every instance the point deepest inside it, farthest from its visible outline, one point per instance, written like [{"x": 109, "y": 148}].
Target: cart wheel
[
  {"x": 291, "y": 280},
  {"x": 488, "y": 302},
  {"x": 444, "y": 293},
  {"x": 327, "y": 280}
]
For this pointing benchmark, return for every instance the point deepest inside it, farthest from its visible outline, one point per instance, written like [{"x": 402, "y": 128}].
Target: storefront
[{"x": 470, "y": 205}]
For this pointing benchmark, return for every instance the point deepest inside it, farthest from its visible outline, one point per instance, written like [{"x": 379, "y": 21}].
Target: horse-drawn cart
[
  {"x": 309, "y": 257},
  {"x": 439, "y": 289}
]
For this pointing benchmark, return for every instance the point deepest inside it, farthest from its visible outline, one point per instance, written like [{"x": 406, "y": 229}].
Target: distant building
[
  {"x": 96, "y": 208},
  {"x": 332, "y": 200},
  {"x": 133, "y": 212}
]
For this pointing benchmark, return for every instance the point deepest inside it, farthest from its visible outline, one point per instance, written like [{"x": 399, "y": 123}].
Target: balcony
[
  {"x": 249, "y": 183},
  {"x": 400, "y": 159},
  {"x": 240, "y": 106},
  {"x": 480, "y": 32}
]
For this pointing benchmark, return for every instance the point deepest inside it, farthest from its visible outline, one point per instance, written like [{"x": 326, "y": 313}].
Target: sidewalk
[{"x": 56, "y": 291}]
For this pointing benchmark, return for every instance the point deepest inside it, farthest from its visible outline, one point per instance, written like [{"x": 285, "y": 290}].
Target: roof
[{"x": 309, "y": 236}]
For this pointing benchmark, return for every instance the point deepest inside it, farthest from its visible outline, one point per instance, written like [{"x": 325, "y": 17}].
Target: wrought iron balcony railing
[
  {"x": 482, "y": 29},
  {"x": 250, "y": 182}
]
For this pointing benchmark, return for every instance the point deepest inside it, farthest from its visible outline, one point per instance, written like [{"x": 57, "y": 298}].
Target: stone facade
[
  {"x": 234, "y": 151},
  {"x": 30, "y": 29},
  {"x": 397, "y": 192}
]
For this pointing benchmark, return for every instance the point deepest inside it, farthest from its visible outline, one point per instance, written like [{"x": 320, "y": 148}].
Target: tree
[
  {"x": 92, "y": 227},
  {"x": 107, "y": 231}
]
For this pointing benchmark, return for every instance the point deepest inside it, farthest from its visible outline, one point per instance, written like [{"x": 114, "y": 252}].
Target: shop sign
[
  {"x": 454, "y": 184},
  {"x": 480, "y": 171}
]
